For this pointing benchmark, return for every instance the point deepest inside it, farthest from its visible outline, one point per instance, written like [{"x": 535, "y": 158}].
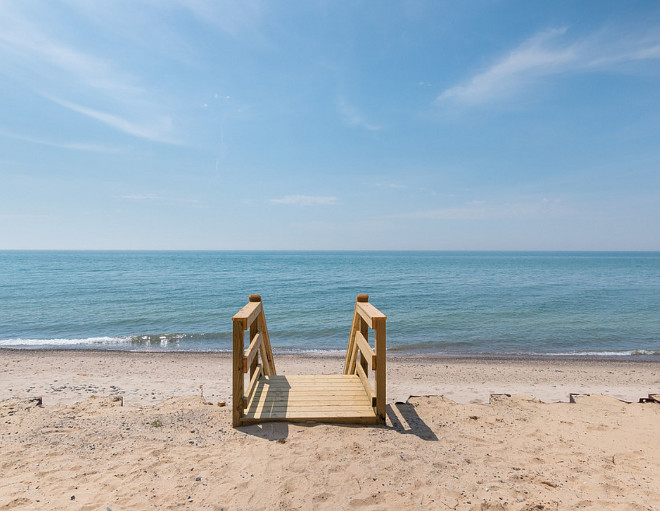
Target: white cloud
[
  {"x": 46, "y": 56},
  {"x": 47, "y": 61},
  {"x": 305, "y": 200},
  {"x": 74, "y": 146},
  {"x": 159, "y": 131},
  {"x": 549, "y": 53},
  {"x": 353, "y": 117}
]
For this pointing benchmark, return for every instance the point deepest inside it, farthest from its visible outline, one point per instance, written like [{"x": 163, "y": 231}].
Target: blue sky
[{"x": 329, "y": 125}]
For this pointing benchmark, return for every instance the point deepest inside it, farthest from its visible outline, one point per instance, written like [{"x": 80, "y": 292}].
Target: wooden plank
[
  {"x": 317, "y": 377},
  {"x": 247, "y": 314},
  {"x": 365, "y": 383},
  {"x": 311, "y": 385},
  {"x": 311, "y": 400},
  {"x": 311, "y": 377},
  {"x": 381, "y": 372},
  {"x": 237, "y": 373},
  {"x": 263, "y": 328},
  {"x": 251, "y": 352},
  {"x": 321, "y": 379},
  {"x": 370, "y": 313},
  {"x": 358, "y": 391},
  {"x": 314, "y": 414},
  {"x": 364, "y": 330},
  {"x": 262, "y": 408},
  {"x": 256, "y": 399},
  {"x": 264, "y": 360},
  {"x": 263, "y": 404},
  {"x": 351, "y": 342},
  {"x": 366, "y": 349},
  {"x": 339, "y": 397},
  {"x": 253, "y": 383},
  {"x": 255, "y": 361},
  {"x": 354, "y": 348}
]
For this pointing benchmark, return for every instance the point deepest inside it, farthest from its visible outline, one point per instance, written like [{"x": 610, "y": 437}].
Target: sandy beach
[{"x": 481, "y": 434}]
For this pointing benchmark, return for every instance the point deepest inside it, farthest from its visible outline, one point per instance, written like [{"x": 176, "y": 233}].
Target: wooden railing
[
  {"x": 360, "y": 356},
  {"x": 250, "y": 317}
]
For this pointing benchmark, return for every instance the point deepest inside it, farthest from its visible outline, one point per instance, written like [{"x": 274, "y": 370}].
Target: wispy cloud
[
  {"x": 305, "y": 200},
  {"x": 233, "y": 17},
  {"x": 481, "y": 210},
  {"x": 549, "y": 53},
  {"x": 44, "y": 60},
  {"x": 351, "y": 116},
  {"x": 44, "y": 54},
  {"x": 74, "y": 146},
  {"x": 158, "y": 131}
]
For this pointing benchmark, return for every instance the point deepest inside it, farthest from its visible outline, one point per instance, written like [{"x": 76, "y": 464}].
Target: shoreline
[
  {"x": 68, "y": 375},
  {"x": 336, "y": 353}
]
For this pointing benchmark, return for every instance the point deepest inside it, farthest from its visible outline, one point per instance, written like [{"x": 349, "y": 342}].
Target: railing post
[
  {"x": 237, "y": 385},
  {"x": 381, "y": 367}
]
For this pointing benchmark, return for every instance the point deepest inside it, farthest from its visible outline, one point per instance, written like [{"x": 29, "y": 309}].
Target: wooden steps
[
  {"x": 347, "y": 398},
  {"x": 310, "y": 398}
]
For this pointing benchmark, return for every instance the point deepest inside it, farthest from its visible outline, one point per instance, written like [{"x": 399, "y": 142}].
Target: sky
[{"x": 319, "y": 125}]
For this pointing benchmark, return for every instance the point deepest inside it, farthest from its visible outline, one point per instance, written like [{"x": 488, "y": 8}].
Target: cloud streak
[
  {"x": 159, "y": 131},
  {"x": 55, "y": 69},
  {"x": 548, "y": 53},
  {"x": 353, "y": 117},
  {"x": 74, "y": 146},
  {"x": 305, "y": 200}
]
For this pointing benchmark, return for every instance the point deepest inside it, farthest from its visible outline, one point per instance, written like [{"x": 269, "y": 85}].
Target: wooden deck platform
[
  {"x": 313, "y": 398},
  {"x": 348, "y": 398}
]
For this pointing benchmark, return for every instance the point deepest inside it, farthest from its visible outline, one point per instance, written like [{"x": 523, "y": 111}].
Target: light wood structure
[{"x": 346, "y": 398}]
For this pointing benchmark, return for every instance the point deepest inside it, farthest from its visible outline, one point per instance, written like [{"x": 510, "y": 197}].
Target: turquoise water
[{"x": 455, "y": 303}]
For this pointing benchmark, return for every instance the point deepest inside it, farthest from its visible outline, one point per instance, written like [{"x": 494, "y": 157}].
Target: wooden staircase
[{"x": 340, "y": 398}]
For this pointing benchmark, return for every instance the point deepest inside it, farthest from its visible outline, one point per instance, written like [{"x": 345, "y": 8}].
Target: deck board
[{"x": 309, "y": 398}]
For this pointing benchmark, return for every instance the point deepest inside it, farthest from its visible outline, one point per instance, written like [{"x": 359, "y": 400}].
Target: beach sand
[{"x": 459, "y": 445}]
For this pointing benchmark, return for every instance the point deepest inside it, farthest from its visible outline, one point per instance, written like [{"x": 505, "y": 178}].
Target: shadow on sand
[
  {"x": 402, "y": 417},
  {"x": 404, "y": 420}
]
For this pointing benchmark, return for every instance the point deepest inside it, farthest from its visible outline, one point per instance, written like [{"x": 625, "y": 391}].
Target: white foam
[
  {"x": 604, "y": 353},
  {"x": 64, "y": 342}
]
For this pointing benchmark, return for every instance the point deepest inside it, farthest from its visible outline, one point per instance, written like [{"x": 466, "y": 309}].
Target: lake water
[{"x": 452, "y": 303}]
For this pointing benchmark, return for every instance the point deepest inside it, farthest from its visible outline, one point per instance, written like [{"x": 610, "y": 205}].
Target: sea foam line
[{"x": 64, "y": 342}]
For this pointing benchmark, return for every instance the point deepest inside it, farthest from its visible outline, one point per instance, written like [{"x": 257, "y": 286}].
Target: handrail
[
  {"x": 252, "y": 317},
  {"x": 369, "y": 313},
  {"x": 367, "y": 316}
]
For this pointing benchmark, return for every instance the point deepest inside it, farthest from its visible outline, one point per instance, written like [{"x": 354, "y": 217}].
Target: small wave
[
  {"x": 629, "y": 353},
  {"x": 65, "y": 342}
]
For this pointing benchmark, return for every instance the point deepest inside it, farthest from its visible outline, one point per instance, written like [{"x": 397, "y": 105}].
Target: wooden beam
[
  {"x": 253, "y": 384},
  {"x": 366, "y": 384},
  {"x": 381, "y": 375},
  {"x": 351, "y": 342},
  {"x": 366, "y": 349},
  {"x": 237, "y": 374},
  {"x": 248, "y": 314},
  {"x": 265, "y": 369},
  {"x": 263, "y": 328},
  {"x": 253, "y": 366},
  {"x": 369, "y": 313},
  {"x": 251, "y": 351}
]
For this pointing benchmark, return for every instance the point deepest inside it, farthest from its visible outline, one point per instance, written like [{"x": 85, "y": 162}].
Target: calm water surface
[{"x": 456, "y": 303}]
